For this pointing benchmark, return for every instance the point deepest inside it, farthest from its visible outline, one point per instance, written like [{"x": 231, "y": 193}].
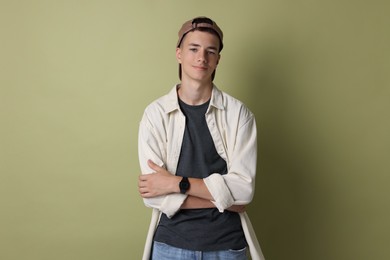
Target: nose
[{"x": 202, "y": 56}]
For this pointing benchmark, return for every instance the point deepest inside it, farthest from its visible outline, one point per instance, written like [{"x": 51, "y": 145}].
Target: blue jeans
[{"x": 163, "y": 251}]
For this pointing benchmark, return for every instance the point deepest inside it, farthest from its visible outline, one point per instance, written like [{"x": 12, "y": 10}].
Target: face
[{"x": 198, "y": 56}]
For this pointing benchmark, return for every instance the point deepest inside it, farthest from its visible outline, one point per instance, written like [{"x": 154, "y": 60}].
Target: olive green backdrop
[{"x": 76, "y": 76}]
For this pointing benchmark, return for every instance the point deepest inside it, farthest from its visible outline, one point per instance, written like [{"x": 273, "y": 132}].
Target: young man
[{"x": 198, "y": 151}]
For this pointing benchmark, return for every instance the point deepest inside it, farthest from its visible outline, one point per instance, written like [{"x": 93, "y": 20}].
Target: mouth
[{"x": 200, "y": 68}]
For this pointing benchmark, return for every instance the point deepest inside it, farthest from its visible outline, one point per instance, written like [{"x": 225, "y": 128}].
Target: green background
[{"x": 76, "y": 76}]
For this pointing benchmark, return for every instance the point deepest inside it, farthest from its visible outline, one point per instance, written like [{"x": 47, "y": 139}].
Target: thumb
[{"x": 153, "y": 166}]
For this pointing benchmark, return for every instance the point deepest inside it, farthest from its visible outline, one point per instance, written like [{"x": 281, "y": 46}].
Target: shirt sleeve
[
  {"x": 151, "y": 147},
  {"x": 237, "y": 186}
]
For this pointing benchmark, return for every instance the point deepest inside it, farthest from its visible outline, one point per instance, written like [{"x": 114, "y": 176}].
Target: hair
[{"x": 204, "y": 29}]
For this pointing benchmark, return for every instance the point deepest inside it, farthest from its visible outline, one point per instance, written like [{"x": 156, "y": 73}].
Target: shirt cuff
[
  {"x": 216, "y": 185},
  {"x": 172, "y": 204}
]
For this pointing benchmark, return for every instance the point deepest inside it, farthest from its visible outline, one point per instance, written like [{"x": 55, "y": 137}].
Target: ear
[{"x": 178, "y": 55}]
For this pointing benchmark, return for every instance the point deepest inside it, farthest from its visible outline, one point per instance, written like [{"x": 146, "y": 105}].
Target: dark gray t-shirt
[{"x": 200, "y": 229}]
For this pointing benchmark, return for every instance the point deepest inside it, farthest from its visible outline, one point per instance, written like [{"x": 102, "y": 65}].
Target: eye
[{"x": 193, "y": 49}]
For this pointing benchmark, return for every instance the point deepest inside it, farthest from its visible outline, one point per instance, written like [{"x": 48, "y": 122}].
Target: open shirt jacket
[{"x": 233, "y": 130}]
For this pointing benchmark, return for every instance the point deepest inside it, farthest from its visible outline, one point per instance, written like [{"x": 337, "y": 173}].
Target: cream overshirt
[{"x": 233, "y": 130}]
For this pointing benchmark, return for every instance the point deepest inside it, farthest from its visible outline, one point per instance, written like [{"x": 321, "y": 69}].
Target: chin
[{"x": 202, "y": 77}]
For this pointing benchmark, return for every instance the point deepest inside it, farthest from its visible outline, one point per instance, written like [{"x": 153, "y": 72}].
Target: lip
[{"x": 200, "y": 68}]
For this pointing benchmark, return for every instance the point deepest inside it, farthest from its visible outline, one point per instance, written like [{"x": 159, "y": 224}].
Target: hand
[
  {"x": 160, "y": 182},
  {"x": 237, "y": 208}
]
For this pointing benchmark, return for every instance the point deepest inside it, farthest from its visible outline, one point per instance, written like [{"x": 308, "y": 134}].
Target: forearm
[
  {"x": 161, "y": 182},
  {"x": 199, "y": 189},
  {"x": 192, "y": 202},
  {"x": 196, "y": 203}
]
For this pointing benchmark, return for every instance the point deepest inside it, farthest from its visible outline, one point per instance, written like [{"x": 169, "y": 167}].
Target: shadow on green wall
[{"x": 280, "y": 203}]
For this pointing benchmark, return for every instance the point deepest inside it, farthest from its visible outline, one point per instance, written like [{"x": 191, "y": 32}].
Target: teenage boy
[{"x": 198, "y": 151}]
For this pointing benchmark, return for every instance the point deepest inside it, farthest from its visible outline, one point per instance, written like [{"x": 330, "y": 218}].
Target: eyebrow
[{"x": 198, "y": 45}]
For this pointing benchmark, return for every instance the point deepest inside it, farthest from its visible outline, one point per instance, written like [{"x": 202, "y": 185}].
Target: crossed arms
[
  {"x": 161, "y": 182},
  {"x": 160, "y": 136}
]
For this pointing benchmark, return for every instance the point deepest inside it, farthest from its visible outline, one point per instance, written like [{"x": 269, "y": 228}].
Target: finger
[
  {"x": 143, "y": 177},
  {"x": 142, "y": 190},
  {"x": 146, "y": 195},
  {"x": 153, "y": 166}
]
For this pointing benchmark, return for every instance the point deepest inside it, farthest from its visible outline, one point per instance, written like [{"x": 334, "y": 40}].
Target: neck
[{"x": 193, "y": 93}]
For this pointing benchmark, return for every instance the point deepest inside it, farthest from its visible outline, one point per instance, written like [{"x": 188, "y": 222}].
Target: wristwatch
[{"x": 184, "y": 185}]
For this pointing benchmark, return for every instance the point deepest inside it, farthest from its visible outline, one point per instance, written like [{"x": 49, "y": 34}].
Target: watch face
[{"x": 184, "y": 185}]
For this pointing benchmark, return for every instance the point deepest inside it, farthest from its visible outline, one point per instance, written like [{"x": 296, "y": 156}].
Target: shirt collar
[
  {"x": 216, "y": 98},
  {"x": 172, "y": 102}
]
